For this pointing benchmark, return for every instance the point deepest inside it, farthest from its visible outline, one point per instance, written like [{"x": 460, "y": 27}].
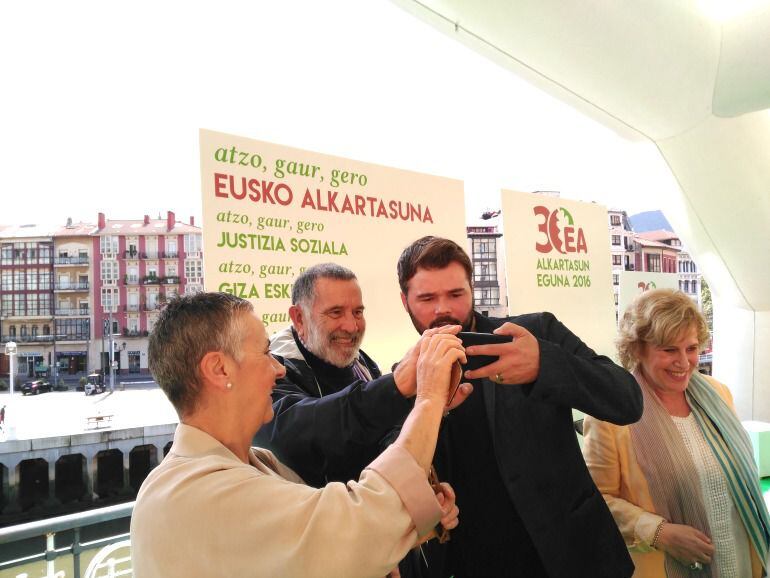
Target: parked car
[
  {"x": 95, "y": 384},
  {"x": 35, "y": 386}
]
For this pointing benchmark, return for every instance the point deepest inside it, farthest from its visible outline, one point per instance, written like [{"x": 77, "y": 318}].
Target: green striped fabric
[{"x": 732, "y": 449}]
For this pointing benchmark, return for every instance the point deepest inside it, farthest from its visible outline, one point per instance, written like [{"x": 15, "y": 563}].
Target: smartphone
[{"x": 475, "y": 361}]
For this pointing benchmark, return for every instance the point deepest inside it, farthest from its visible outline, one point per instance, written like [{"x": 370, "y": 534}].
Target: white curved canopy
[{"x": 694, "y": 81}]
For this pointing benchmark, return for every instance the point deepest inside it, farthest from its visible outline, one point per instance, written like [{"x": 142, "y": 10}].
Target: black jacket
[
  {"x": 538, "y": 455},
  {"x": 332, "y": 432}
]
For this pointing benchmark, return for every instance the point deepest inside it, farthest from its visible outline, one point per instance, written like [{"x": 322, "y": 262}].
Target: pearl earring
[{"x": 229, "y": 385}]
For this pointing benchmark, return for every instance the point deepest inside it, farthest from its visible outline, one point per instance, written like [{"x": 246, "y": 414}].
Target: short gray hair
[
  {"x": 303, "y": 292},
  {"x": 188, "y": 328}
]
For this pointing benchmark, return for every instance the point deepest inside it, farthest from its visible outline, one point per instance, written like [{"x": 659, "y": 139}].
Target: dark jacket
[
  {"x": 538, "y": 455},
  {"x": 331, "y": 432}
]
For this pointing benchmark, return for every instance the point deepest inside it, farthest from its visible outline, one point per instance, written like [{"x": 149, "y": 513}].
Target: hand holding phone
[{"x": 476, "y": 361}]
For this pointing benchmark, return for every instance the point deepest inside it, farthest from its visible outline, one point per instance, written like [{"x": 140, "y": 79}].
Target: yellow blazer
[{"x": 612, "y": 462}]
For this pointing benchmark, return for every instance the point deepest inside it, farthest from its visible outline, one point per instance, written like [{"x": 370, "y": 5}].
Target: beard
[
  {"x": 328, "y": 347},
  {"x": 442, "y": 320}
]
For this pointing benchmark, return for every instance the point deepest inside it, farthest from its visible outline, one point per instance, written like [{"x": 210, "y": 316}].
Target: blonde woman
[{"x": 681, "y": 483}]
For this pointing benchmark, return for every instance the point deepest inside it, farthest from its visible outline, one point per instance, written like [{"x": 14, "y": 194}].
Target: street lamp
[{"x": 10, "y": 351}]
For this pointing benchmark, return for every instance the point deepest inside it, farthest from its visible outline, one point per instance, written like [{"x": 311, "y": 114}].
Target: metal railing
[
  {"x": 71, "y": 286},
  {"x": 81, "y": 260},
  {"x": 74, "y": 522},
  {"x": 71, "y": 312}
]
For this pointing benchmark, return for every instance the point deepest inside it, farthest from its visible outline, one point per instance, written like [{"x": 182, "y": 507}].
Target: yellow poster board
[
  {"x": 558, "y": 260},
  {"x": 269, "y": 211}
]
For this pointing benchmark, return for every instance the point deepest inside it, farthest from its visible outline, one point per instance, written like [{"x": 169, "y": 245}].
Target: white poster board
[
  {"x": 632, "y": 283},
  {"x": 270, "y": 210},
  {"x": 558, "y": 260}
]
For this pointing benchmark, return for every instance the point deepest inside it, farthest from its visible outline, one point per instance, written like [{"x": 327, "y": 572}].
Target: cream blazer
[
  {"x": 204, "y": 513},
  {"x": 612, "y": 462}
]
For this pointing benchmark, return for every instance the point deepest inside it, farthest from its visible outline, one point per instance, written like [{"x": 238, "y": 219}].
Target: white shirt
[{"x": 732, "y": 556}]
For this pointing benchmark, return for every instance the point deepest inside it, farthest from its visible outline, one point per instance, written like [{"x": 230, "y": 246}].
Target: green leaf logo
[{"x": 567, "y": 216}]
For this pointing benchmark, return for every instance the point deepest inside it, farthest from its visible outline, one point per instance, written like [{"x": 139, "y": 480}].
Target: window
[
  {"x": 486, "y": 296},
  {"x": 686, "y": 286},
  {"x": 32, "y": 279},
  {"x": 615, "y": 279},
  {"x": 485, "y": 271},
  {"x": 18, "y": 280},
  {"x": 193, "y": 268},
  {"x": 615, "y": 220},
  {"x": 72, "y": 329},
  {"x": 484, "y": 248},
  {"x": 617, "y": 259},
  {"x": 44, "y": 303},
  {"x": 616, "y": 239},
  {"x": 6, "y": 304},
  {"x": 6, "y": 280},
  {"x": 653, "y": 263},
  {"x": 133, "y": 325},
  {"x": 151, "y": 247},
  {"x": 108, "y": 244},
  {"x": 12, "y": 331},
  {"x": 45, "y": 254},
  {"x": 171, "y": 247},
  {"x": 109, "y": 270},
  {"x": 6, "y": 254},
  {"x": 193, "y": 243},
  {"x": 110, "y": 299},
  {"x": 44, "y": 279},
  {"x": 192, "y": 288},
  {"x": 19, "y": 305}
]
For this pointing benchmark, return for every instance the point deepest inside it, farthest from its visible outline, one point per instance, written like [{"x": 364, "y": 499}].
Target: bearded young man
[
  {"x": 530, "y": 507},
  {"x": 333, "y": 408}
]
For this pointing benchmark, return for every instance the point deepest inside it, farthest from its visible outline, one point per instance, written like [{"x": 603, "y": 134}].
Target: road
[{"x": 64, "y": 413}]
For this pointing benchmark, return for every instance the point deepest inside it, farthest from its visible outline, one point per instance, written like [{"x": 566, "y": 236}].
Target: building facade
[
  {"x": 487, "y": 253},
  {"x": 138, "y": 265},
  {"x": 68, "y": 293},
  {"x": 689, "y": 277},
  {"x": 26, "y": 296},
  {"x": 72, "y": 296}
]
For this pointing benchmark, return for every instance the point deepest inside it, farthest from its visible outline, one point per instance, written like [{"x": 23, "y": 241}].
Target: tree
[{"x": 707, "y": 307}]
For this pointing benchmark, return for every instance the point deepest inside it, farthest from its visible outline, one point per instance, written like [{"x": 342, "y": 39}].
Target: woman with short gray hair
[{"x": 217, "y": 507}]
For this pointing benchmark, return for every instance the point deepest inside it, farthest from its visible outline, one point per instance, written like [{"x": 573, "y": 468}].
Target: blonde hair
[{"x": 658, "y": 317}]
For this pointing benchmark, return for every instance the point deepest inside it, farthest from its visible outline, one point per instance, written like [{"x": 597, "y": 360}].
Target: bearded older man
[{"x": 333, "y": 409}]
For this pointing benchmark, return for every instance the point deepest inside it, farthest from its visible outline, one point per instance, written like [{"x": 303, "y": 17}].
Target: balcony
[
  {"x": 132, "y": 254},
  {"x": 170, "y": 255},
  {"x": 79, "y": 260},
  {"x": 71, "y": 286},
  {"x": 132, "y": 307},
  {"x": 170, "y": 280},
  {"x": 28, "y": 338},
  {"x": 150, "y": 280},
  {"x": 135, "y": 332},
  {"x": 72, "y": 312},
  {"x": 152, "y": 306},
  {"x": 131, "y": 279}
]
